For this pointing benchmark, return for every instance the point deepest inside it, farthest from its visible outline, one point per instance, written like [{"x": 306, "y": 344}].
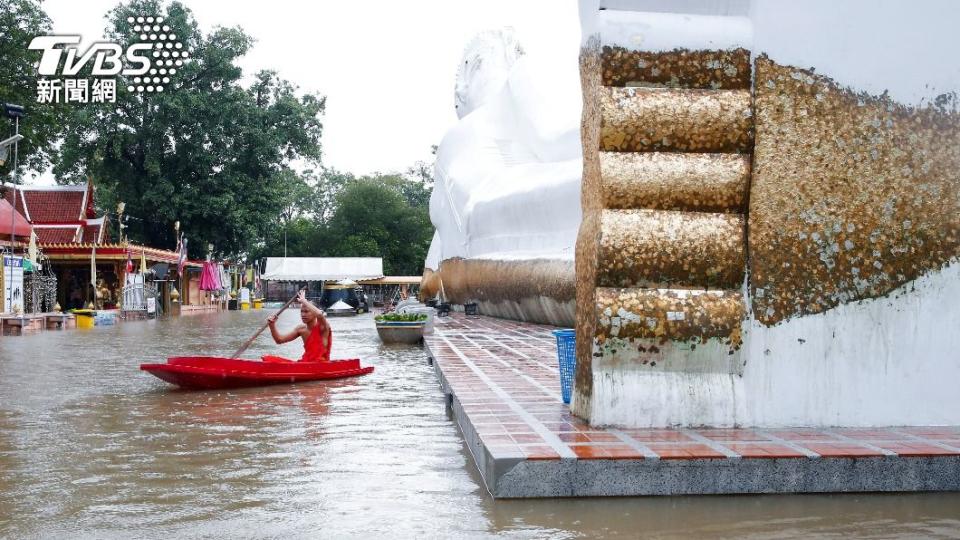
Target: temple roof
[
  {"x": 46, "y": 234},
  {"x": 93, "y": 231},
  {"x": 53, "y": 204},
  {"x": 111, "y": 251},
  {"x": 59, "y": 213},
  {"x": 21, "y": 227}
]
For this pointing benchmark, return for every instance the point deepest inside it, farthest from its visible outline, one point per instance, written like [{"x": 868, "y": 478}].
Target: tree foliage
[
  {"x": 381, "y": 216},
  {"x": 206, "y": 151},
  {"x": 20, "y": 22},
  {"x": 237, "y": 164},
  {"x": 374, "y": 216}
]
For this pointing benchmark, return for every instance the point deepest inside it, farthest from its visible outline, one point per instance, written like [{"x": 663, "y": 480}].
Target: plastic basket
[{"x": 566, "y": 341}]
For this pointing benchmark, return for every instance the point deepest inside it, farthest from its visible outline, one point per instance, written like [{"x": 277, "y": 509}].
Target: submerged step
[
  {"x": 655, "y": 248},
  {"x": 679, "y": 120},
  {"x": 675, "y": 181}
]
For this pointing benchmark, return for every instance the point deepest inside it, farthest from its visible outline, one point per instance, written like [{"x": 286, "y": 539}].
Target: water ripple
[{"x": 92, "y": 447}]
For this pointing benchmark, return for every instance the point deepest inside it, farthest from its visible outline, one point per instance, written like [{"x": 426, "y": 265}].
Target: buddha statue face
[{"x": 486, "y": 64}]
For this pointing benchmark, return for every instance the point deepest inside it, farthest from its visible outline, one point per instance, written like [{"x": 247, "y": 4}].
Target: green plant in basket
[{"x": 401, "y": 317}]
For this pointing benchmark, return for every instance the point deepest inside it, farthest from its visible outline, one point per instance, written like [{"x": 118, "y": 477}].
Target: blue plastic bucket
[{"x": 566, "y": 342}]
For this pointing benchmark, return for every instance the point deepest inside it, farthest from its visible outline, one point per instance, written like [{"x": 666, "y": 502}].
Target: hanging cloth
[
  {"x": 208, "y": 277},
  {"x": 222, "y": 276},
  {"x": 32, "y": 251}
]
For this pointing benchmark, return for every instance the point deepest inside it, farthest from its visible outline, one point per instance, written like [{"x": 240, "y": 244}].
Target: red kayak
[{"x": 213, "y": 372}]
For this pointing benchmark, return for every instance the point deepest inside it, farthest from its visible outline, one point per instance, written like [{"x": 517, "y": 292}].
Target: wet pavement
[
  {"x": 503, "y": 381},
  {"x": 92, "y": 447}
]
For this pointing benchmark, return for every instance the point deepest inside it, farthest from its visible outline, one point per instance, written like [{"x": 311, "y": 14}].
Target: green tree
[
  {"x": 374, "y": 219},
  {"x": 416, "y": 193},
  {"x": 20, "y": 22},
  {"x": 326, "y": 186},
  {"x": 419, "y": 183},
  {"x": 293, "y": 231},
  {"x": 422, "y": 171},
  {"x": 297, "y": 197},
  {"x": 206, "y": 151},
  {"x": 301, "y": 235}
]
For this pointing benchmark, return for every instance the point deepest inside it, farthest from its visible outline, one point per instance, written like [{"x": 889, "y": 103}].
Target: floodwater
[{"x": 92, "y": 447}]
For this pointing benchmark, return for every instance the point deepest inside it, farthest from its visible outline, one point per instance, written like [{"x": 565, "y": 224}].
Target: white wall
[
  {"x": 886, "y": 361},
  {"x": 881, "y": 362},
  {"x": 909, "y": 48}
]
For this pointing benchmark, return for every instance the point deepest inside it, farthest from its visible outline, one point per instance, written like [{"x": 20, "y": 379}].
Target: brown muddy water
[{"x": 92, "y": 447}]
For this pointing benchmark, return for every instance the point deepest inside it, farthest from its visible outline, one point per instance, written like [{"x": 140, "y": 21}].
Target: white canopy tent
[{"x": 301, "y": 269}]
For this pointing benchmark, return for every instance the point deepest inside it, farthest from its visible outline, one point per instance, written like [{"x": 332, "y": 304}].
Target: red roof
[
  {"x": 21, "y": 227},
  {"x": 49, "y": 235},
  {"x": 111, "y": 251},
  {"x": 91, "y": 233},
  {"x": 54, "y": 204},
  {"x": 8, "y": 197},
  {"x": 66, "y": 207}
]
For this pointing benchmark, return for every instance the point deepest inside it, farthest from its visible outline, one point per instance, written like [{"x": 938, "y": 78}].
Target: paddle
[{"x": 264, "y": 326}]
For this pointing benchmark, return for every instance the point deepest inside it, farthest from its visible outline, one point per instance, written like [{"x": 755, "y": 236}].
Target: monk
[{"x": 315, "y": 332}]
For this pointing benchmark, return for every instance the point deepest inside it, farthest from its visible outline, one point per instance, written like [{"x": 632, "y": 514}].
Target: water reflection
[{"x": 90, "y": 446}]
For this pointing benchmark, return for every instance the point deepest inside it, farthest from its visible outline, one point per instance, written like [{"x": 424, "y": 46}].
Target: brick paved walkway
[{"x": 503, "y": 382}]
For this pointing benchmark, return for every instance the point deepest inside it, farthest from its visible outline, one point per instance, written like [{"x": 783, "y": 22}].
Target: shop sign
[{"x": 12, "y": 283}]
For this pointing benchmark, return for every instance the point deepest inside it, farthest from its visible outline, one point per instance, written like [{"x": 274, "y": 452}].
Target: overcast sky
[{"x": 387, "y": 67}]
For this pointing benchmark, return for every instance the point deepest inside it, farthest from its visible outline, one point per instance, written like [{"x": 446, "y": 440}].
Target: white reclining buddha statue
[{"x": 506, "y": 203}]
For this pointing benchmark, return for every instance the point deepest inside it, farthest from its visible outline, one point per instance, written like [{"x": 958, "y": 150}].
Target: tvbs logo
[
  {"x": 108, "y": 58},
  {"x": 148, "y": 63}
]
